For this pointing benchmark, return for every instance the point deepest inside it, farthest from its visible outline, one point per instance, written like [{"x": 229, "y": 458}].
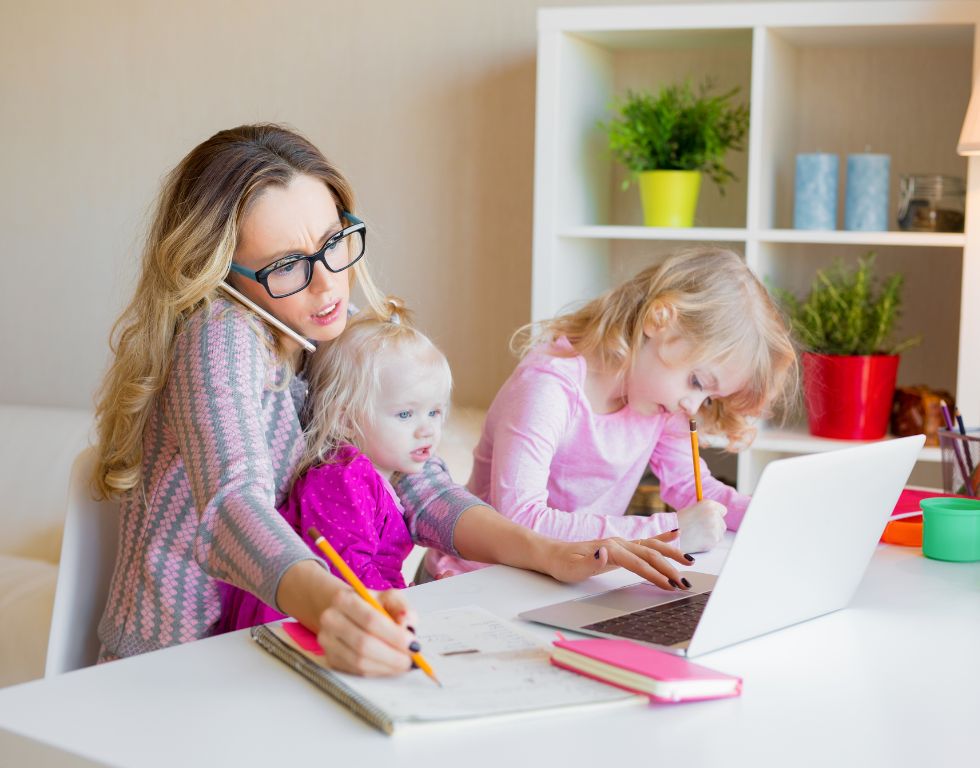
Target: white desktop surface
[{"x": 893, "y": 680}]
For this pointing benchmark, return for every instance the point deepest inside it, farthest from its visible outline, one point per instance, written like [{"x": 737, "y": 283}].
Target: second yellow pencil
[{"x": 697, "y": 459}]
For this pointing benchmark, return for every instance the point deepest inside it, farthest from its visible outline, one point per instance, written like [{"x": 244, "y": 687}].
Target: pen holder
[
  {"x": 960, "y": 462},
  {"x": 951, "y": 529}
]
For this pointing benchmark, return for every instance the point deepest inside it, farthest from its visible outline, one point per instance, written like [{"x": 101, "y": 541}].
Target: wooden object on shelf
[
  {"x": 916, "y": 411},
  {"x": 646, "y": 500}
]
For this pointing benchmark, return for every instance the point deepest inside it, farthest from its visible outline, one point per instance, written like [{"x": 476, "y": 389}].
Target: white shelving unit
[{"x": 823, "y": 76}]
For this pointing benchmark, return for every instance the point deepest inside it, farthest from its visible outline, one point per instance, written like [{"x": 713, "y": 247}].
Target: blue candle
[
  {"x": 815, "y": 201},
  {"x": 866, "y": 203}
]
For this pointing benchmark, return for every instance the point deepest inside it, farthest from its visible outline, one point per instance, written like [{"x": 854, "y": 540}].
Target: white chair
[{"x": 88, "y": 556}]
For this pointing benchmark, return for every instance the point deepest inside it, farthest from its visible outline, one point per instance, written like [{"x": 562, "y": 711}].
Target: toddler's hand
[{"x": 702, "y": 525}]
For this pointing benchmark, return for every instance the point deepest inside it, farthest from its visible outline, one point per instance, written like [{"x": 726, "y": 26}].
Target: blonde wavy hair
[
  {"x": 711, "y": 299},
  {"x": 345, "y": 377},
  {"x": 188, "y": 252}
]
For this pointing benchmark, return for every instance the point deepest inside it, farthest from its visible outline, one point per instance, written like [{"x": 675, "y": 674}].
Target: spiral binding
[{"x": 323, "y": 679}]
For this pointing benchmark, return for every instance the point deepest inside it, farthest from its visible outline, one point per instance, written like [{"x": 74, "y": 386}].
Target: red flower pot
[{"x": 849, "y": 397}]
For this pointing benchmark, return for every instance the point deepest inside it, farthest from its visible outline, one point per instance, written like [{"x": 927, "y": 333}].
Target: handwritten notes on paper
[{"x": 487, "y": 666}]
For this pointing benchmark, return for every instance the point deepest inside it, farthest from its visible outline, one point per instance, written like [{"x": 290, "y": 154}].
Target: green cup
[{"x": 951, "y": 529}]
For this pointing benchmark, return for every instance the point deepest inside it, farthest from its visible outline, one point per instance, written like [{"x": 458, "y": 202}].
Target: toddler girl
[
  {"x": 606, "y": 390},
  {"x": 378, "y": 398}
]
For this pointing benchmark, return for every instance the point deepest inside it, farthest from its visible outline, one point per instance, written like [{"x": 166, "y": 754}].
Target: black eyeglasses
[{"x": 291, "y": 274}]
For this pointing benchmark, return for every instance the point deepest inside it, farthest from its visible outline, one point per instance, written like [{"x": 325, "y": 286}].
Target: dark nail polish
[
  {"x": 596, "y": 555},
  {"x": 673, "y": 530},
  {"x": 414, "y": 665},
  {"x": 689, "y": 558},
  {"x": 686, "y": 583},
  {"x": 412, "y": 630},
  {"x": 673, "y": 583},
  {"x": 414, "y": 646}
]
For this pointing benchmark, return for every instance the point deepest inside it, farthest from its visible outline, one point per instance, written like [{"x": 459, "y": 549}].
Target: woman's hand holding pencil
[{"x": 377, "y": 614}]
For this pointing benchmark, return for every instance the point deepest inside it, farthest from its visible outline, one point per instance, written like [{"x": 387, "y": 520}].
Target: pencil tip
[{"x": 694, "y": 425}]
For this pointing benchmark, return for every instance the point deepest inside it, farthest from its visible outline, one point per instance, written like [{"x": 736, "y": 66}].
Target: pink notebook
[{"x": 639, "y": 668}]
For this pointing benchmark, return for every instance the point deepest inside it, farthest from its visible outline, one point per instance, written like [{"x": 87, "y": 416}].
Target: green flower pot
[{"x": 669, "y": 197}]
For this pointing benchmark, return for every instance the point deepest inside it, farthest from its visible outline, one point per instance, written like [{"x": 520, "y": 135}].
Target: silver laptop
[{"x": 801, "y": 551}]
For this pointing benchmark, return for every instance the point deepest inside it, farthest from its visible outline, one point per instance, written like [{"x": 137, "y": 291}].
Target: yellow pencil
[
  {"x": 351, "y": 578},
  {"x": 697, "y": 459}
]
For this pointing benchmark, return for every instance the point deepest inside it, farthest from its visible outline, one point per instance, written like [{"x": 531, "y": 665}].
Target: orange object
[
  {"x": 905, "y": 533},
  {"x": 697, "y": 459},
  {"x": 351, "y": 578}
]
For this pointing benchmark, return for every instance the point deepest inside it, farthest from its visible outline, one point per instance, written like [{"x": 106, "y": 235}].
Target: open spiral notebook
[{"x": 488, "y": 667}]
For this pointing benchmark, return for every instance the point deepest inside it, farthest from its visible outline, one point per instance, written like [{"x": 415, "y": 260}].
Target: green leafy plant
[
  {"x": 678, "y": 130},
  {"x": 847, "y": 311}
]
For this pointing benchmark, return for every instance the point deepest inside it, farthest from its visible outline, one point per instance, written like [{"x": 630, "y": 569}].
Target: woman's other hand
[{"x": 649, "y": 558}]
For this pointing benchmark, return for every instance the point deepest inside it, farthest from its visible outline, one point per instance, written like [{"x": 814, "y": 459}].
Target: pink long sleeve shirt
[{"x": 548, "y": 462}]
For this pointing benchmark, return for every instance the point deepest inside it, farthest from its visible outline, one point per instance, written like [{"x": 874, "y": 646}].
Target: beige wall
[{"x": 428, "y": 105}]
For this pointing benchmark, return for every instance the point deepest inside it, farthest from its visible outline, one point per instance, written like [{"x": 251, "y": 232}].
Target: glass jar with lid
[{"x": 931, "y": 203}]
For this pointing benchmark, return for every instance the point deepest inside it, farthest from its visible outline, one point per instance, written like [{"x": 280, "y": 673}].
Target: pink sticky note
[{"x": 302, "y": 637}]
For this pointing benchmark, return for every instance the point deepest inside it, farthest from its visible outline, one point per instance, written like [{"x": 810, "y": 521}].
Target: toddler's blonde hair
[
  {"x": 344, "y": 377},
  {"x": 713, "y": 301}
]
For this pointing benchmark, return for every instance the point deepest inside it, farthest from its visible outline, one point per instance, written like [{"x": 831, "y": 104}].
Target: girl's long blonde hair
[
  {"x": 713, "y": 301},
  {"x": 345, "y": 374},
  {"x": 188, "y": 252}
]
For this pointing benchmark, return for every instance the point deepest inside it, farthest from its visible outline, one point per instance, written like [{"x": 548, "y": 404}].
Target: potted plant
[
  {"x": 669, "y": 139},
  {"x": 845, "y": 325}
]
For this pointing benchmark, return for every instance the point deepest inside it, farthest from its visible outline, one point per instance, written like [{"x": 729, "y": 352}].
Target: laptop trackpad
[
  {"x": 607, "y": 605},
  {"x": 636, "y": 597}
]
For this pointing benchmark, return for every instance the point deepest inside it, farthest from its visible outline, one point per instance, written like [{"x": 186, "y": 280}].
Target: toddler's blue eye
[
  {"x": 404, "y": 415},
  {"x": 435, "y": 412},
  {"x": 696, "y": 384}
]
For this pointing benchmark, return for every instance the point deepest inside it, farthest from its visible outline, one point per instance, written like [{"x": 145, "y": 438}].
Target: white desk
[{"x": 894, "y": 680}]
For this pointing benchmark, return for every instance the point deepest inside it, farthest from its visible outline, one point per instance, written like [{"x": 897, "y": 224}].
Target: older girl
[{"x": 607, "y": 390}]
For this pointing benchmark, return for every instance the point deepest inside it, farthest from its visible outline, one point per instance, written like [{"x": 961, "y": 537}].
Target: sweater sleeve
[
  {"x": 213, "y": 405},
  {"x": 433, "y": 504},
  {"x": 341, "y": 501},
  {"x": 531, "y": 420},
  {"x": 672, "y": 462}
]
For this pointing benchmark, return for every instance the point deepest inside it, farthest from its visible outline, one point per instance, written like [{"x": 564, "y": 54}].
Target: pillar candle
[
  {"x": 815, "y": 201},
  {"x": 866, "y": 201}
]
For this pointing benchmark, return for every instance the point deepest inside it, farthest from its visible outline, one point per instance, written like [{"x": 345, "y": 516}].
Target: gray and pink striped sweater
[{"x": 219, "y": 450}]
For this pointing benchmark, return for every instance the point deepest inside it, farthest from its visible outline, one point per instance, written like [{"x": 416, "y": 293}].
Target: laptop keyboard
[{"x": 665, "y": 624}]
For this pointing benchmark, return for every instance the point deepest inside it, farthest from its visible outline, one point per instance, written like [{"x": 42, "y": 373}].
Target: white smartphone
[{"x": 306, "y": 344}]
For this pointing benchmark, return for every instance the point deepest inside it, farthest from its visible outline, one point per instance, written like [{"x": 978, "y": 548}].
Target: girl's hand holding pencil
[{"x": 702, "y": 525}]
